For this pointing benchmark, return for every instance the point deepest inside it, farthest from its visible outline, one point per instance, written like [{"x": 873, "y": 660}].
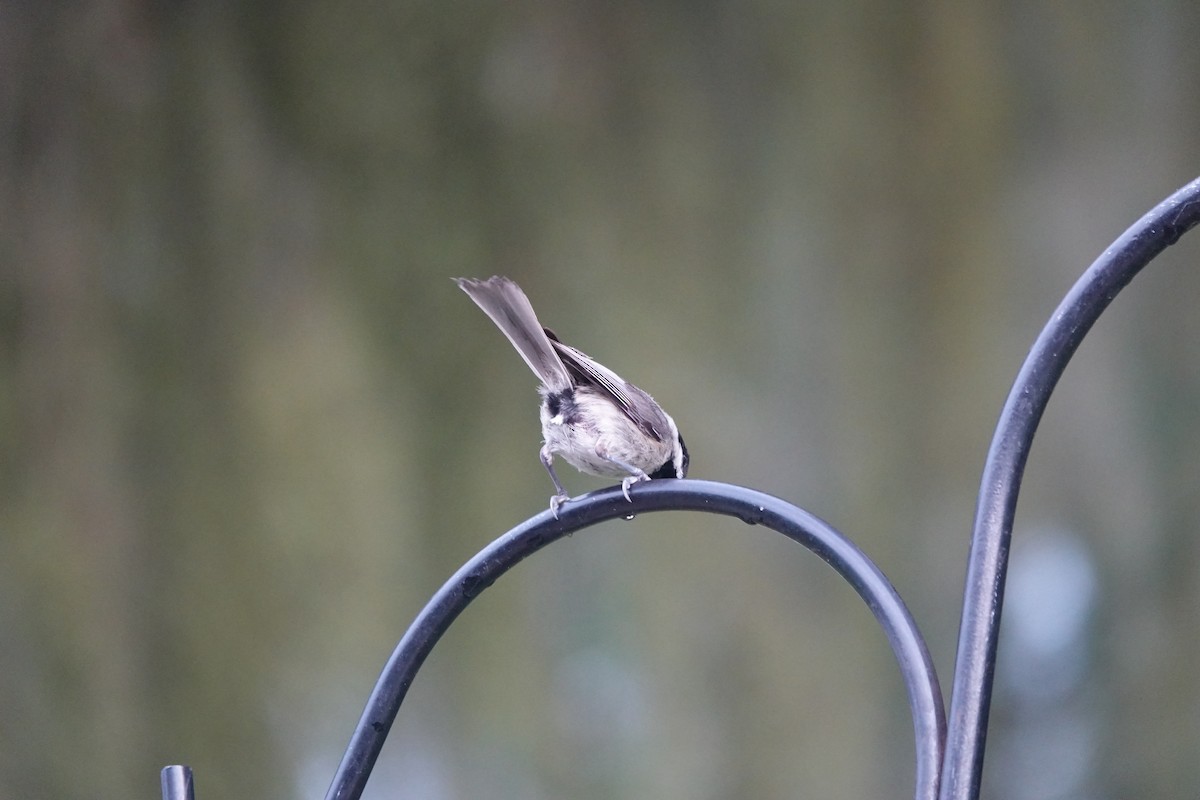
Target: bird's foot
[
  {"x": 556, "y": 501},
  {"x": 630, "y": 481}
]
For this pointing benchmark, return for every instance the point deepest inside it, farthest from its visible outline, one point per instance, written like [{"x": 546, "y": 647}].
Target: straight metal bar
[{"x": 177, "y": 783}]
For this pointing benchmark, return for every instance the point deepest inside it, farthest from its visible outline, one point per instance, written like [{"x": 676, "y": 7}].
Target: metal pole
[
  {"x": 177, "y": 783},
  {"x": 988, "y": 561}
]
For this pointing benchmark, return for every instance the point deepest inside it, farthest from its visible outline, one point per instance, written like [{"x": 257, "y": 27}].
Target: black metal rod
[
  {"x": 753, "y": 507},
  {"x": 177, "y": 783},
  {"x": 988, "y": 560}
]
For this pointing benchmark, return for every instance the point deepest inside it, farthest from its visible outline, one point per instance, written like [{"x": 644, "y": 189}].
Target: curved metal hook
[
  {"x": 753, "y": 507},
  {"x": 988, "y": 560}
]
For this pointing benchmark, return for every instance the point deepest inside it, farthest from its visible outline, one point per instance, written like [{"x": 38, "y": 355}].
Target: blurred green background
[{"x": 249, "y": 425}]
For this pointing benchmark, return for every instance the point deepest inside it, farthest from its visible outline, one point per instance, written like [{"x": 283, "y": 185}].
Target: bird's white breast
[{"x": 595, "y": 426}]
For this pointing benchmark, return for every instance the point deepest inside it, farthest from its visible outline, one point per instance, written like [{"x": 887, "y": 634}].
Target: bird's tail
[{"x": 503, "y": 301}]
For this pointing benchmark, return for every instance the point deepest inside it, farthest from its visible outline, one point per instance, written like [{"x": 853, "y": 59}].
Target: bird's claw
[
  {"x": 630, "y": 481},
  {"x": 556, "y": 501}
]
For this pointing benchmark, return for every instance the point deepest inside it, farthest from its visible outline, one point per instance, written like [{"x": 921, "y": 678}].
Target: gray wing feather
[
  {"x": 503, "y": 301},
  {"x": 637, "y": 405}
]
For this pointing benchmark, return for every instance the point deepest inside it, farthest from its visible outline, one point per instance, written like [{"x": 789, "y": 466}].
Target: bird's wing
[{"x": 637, "y": 405}]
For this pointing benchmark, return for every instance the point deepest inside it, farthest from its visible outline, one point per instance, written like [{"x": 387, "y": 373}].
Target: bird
[{"x": 593, "y": 418}]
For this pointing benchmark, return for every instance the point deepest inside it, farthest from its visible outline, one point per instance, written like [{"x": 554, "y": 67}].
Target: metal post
[
  {"x": 177, "y": 783},
  {"x": 988, "y": 561}
]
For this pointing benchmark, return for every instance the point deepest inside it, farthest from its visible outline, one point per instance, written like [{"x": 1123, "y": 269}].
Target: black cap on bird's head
[{"x": 677, "y": 467}]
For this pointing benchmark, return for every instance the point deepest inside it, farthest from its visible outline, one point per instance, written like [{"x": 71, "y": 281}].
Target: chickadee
[{"x": 598, "y": 422}]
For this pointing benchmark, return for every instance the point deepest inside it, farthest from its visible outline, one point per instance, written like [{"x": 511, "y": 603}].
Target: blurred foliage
[{"x": 249, "y": 425}]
